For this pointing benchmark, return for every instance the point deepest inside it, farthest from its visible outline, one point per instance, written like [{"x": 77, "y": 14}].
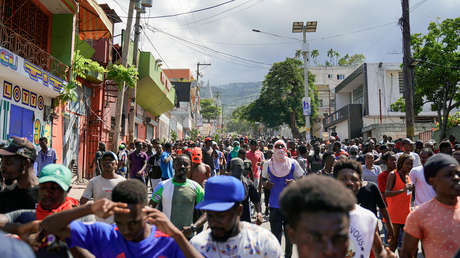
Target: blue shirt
[
  {"x": 45, "y": 158},
  {"x": 104, "y": 240},
  {"x": 167, "y": 170}
]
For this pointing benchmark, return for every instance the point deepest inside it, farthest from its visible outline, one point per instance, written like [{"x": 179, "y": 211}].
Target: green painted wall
[
  {"x": 61, "y": 37},
  {"x": 85, "y": 49}
]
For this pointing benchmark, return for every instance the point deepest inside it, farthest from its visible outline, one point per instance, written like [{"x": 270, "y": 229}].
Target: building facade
[{"x": 363, "y": 104}]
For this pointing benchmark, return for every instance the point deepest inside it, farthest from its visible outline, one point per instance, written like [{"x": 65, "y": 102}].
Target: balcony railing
[
  {"x": 346, "y": 112},
  {"x": 21, "y": 46}
]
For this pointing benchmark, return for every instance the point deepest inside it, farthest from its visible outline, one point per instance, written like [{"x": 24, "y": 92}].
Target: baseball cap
[
  {"x": 207, "y": 139},
  {"x": 110, "y": 154},
  {"x": 56, "y": 173},
  {"x": 19, "y": 146},
  {"x": 122, "y": 146},
  {"x": 407, "y": 141},
  {"x": 221, "y": 193}
]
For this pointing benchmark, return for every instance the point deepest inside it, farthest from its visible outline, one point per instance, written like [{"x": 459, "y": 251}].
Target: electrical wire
[
  {"x": 153, "y": 29},
  {"x": 183, "y": 13},
  {"x": 156, "y": 50}
]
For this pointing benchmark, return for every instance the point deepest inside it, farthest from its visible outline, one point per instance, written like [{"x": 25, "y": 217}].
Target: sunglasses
[{"x": 279, "y": 146}]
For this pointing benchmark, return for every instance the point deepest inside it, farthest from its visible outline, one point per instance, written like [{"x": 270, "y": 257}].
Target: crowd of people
[{"x": 210, "y": 197}]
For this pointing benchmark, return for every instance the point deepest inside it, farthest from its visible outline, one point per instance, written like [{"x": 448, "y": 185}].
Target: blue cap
[{"x": 221, "y": 193}]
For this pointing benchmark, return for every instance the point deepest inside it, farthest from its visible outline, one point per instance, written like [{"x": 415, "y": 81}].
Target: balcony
[
  {"x": 350, "y": 111},
  {"x": 19, "y": 45}
]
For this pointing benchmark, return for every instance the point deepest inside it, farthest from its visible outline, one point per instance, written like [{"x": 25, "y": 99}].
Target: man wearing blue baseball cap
[{"x": 227, "y": 236}]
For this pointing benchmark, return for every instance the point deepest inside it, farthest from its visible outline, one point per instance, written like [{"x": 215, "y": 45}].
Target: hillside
[{"x": 234, "y": 95}]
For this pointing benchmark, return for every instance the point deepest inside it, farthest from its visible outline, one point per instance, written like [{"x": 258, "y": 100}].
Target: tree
[
  {"x": 348, "y": 60},
  {"x": 333, "y": 57},
  {"x": 280, "y": 99},
  {"x": 437, "y": 73},
  {"x": 314, "y": 55},
  {"x": 209, "y": 110}
]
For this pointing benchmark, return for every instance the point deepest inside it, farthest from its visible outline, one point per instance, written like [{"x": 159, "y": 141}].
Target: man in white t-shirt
[
  {"x": 101, "y": 186},
  {"x": 423, "y": 191},
  {"x": 317, "y": 211},
  {"x": 408, "y": 146},
  {"x": 364, "y": 235},
  {"x": 227, "y": 236}
]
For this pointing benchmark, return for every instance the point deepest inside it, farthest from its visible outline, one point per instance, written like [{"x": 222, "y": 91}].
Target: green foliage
[
  {"x": 333, "y": 57},
  {"x": 173, "y": 135},
  {"x": 194, "y": 134},
  {"x": 348, "y": 60},
  {"x": 452, "y": 121},
  {"x": 209, "y": 109},
  {"x": 238, "y": 122},
  {"x": 81, "y": 66},
  {"x": 438, "y": 70},
  {"x": 400, "y": 105},
  {"x": 280, "y": 100},
  {"x": 121, "y": 74}
]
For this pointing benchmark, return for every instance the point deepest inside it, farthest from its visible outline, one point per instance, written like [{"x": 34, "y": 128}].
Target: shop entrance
[{"x": 21, "y": 122}]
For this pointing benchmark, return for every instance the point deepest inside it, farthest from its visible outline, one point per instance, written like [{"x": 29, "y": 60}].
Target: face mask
[{"x": 278, "y": 153}]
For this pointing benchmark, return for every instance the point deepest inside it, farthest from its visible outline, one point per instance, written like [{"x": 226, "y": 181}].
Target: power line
[
  {"x": 222, "y": 57},
  {"x": 156, "y": 50},
  {"x": 217, "y": 14},
  {"x": 153, "y": 29},
  {"x": 183, "y": 13}
]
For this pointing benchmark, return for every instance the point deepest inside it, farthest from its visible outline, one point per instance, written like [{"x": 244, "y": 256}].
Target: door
[{"x": 21, "y": 122}]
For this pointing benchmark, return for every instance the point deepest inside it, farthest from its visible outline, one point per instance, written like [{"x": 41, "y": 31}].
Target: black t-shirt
[
  {"x": 207, "y": 158},
  {"x": 251, "y": 193},
  {"x": 316, "y": 162},
  {"x": 154, "y": 165},
  {"x": 18, "y": 199},
  {"x": 369, "y": 197}
]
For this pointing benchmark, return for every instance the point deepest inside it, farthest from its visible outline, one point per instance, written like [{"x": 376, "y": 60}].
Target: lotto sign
[{"x": 306, "y": 106}]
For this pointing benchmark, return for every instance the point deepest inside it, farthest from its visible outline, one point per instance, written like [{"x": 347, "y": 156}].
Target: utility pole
[
  {"x": 305, "y": 76},
  {"x": 297, "y": 27},
  {"x": 121, "y": 92},
  {"x": 132, "y": 107},
  {"x": 408, "y": 71}
]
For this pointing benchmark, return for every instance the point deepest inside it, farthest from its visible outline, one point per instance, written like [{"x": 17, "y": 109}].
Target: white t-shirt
[
  {"x": 362, "y": 228},
  {"x": 417, "y": 162},
  {"x": 252, "y": 241},
  {"x": 423, "y": 191},
  {"x": 298, "y": 171},
  {"x": 98, "y": 188},
  {"x": 371, "y": 175}
]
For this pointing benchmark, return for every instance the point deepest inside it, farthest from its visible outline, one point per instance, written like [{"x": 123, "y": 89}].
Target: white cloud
[{"x": 230, "y": 32}]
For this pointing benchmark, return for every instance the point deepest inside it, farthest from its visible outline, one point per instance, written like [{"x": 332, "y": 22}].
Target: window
[
  {"x": 321, "y": 103},
  {"x": 401, "y": 82},
  {"x": 340, "y": 76},
  {"x": 329, "y": 76},
  {"x": 358, "y": 96},
  {"x": 332, "y": 103}
]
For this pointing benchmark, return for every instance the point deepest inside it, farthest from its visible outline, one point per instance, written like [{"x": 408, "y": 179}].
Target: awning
[{"x": 93, "y": 22}]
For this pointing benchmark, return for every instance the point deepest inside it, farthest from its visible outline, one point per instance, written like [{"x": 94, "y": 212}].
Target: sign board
[{"x": 306, "y": 106}]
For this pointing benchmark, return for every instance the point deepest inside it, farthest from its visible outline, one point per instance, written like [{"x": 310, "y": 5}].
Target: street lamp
[{"x": 297, "y": 27}]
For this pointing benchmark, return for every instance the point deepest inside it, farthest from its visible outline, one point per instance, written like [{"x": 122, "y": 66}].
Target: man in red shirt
[{"x": 256, "y": 157}]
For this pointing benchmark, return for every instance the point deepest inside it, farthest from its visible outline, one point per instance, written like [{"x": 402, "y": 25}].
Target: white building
[
  {"x": 326, "y": 79},
  {"x": 363, "y": 102}
]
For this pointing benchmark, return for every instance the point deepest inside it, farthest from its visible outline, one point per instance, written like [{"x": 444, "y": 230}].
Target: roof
[
  {"x": 173, "y": 74},
  {"x": 111, "y": 14}
]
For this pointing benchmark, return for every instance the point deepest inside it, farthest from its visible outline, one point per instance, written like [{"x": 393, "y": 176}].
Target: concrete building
[
  {"x": 326, "y": 79},
  {"x": 362, "y": 104}
]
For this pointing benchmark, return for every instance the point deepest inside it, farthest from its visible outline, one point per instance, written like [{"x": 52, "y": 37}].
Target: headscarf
[
  {"x": 280, "y": 164},
  {"x": 235, "y": 150}
]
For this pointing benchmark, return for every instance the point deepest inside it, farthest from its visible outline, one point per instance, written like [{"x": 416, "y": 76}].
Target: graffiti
[
  {"x": 47, "y": 132},
  {"x": 37, "y": 131},
  {"x": 8, "y": 59},
  {"x": 37, "y": 74}
]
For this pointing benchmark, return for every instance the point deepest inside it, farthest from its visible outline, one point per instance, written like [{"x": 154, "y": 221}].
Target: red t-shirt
[
  {"x": 255, "y": 158},
  {"x": 382, "y": 181}
]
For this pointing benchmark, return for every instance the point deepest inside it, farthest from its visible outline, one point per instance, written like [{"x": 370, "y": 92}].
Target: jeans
[{"x": 277, "y": 226}]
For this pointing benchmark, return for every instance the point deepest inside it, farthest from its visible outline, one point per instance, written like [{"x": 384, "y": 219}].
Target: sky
[{"x": 223, "y": 36}]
